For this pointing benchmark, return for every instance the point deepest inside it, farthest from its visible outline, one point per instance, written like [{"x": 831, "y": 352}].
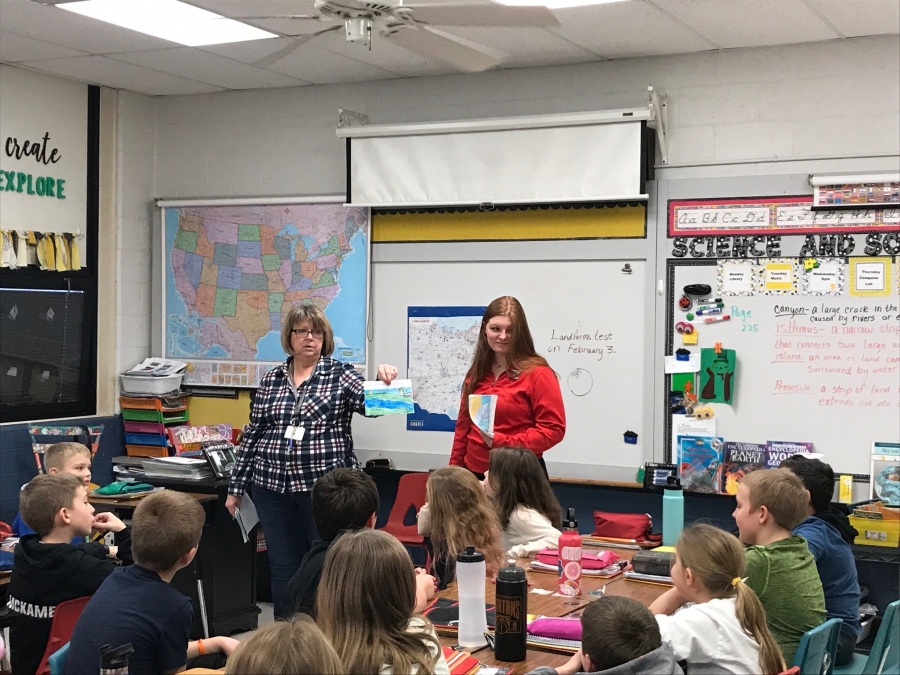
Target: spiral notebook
[{"x": 554, "y": 644}]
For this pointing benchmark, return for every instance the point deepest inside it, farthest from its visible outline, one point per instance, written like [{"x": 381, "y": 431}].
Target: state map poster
[
  {"x": 233, "y": 272},
  {"x": 440, "y": 343}
]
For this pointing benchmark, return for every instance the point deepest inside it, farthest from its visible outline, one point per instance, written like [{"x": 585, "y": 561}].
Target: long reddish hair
[{"x": 522, "y": 355}]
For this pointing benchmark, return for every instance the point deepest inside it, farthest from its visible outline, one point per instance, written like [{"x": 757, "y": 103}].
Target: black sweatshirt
[{"x": 45, "y": 575}]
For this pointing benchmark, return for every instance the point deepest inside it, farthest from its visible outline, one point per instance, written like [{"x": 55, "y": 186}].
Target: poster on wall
[
  {"x": 232, "y": 273},
  {"x": 440, "y": 345},
  {"x": 43, "y": 161}
]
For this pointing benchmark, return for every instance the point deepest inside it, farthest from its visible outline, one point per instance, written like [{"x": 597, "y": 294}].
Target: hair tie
[{"x": 736, "y": 581}]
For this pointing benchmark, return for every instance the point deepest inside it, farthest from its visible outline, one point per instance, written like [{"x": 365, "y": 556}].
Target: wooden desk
[
  {"x": 131, "y": 502},
  {"x": 553, "y": 605}
]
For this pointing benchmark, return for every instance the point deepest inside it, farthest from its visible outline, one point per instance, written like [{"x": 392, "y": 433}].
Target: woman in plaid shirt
[{"x": 299, "y": 431}]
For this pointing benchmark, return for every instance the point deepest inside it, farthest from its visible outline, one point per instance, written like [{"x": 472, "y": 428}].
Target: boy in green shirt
[{"x": 780, "y": 569}]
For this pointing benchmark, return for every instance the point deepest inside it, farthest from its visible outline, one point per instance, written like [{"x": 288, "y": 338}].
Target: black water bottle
[
  {"x": 510, "y": 631},
  {"x": 114, "y": 660}
]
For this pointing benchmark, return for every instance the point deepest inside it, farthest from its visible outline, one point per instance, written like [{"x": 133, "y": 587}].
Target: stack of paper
[{"x": 188, "y": 468}]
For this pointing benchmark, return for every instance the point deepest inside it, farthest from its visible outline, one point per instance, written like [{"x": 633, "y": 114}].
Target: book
[
  {"x": 884, "y": 479},
  {"x": 740, "y": 459},
  {"x": 778, "y": 451},
  {"x": 246, "y": 517},
  {"x": 553, "y": 644},
  {"x": 700, "y": 463},
  {"x": 460, "y": 663}
]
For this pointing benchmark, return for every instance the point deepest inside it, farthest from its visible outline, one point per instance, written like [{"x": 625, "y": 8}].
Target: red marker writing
[{"x": 716, "y": 319}]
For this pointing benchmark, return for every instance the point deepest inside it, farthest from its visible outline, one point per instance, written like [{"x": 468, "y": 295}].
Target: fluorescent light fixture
[
  {"x": 170, "y": 20},
  {"x": 554, "y": 4}
]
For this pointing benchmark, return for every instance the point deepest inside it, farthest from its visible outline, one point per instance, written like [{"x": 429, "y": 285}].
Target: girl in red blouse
[{"x": 530, "y": 411}]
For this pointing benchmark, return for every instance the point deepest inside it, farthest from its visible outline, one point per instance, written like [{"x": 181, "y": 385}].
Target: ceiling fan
[{"x": 412, "y": 27}]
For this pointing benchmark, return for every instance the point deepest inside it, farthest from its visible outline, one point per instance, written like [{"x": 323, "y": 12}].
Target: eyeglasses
[{"x": 302, "y": 333}]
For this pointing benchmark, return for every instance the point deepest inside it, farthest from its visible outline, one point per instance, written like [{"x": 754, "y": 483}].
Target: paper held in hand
[
  {"x": 482, "y": 409},
  {"x": 246, "y": 517}
]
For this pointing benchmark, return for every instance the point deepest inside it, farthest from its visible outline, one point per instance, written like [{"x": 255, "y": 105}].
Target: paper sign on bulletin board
[
  {"x": 870, "y": 276},
  {"x": 778, "y": 276}
]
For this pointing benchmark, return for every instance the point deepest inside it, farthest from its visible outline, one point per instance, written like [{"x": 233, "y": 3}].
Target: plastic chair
[
  {"x": 64, "y": 619},
  {"x": 410, "y": 494},
  {"x": 815, "y": 655},
  {"x": 58, "y": 660},
  {"x": 884, "y": 658}
]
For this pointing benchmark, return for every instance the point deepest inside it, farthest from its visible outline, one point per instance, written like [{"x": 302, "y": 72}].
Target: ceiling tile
[
  {"x": 750, "y": 23},
  {"x": 49, "y": 23},
  {"x": 118, "y": 75},
  {"x": 320, "y": 66},
  {"x": 855, "y": 18},
  {"x": 15, "y": 48},
  {"x": 627, "y": 29},
  {"x": 527, "y": 46},
  {"x": 205, "y": 67},
  {"x": 238, "y": 8}
]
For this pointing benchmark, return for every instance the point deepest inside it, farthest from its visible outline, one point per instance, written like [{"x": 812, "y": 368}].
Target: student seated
[
  {"x": 834, "y": 559},
  {"x": 67, "y": 457},
  {"x": 529, "y": 513},
  {"x": 137, "y": 605},
  {"x": 724, "y": 630},
  {"x": 366, "y": 607},
  {"x": 618, "y": 637},
  {"x": 295, "y": 647},
  {"x": 342, "y": 500},
  {"x": 456, "y": 515},
  {"x": 780, "y": 569},
  {"x": 48, "y": 569}
]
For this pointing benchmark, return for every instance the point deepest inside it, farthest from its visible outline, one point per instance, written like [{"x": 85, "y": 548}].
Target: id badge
[
  {"x": 289, "y": 432},
  {"x": 298, "y": 434}
]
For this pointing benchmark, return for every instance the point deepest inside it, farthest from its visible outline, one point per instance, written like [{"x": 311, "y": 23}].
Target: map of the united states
[{"x": 234, "y": 271}]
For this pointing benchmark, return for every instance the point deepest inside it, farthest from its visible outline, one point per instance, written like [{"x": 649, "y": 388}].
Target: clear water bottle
[
  {"x": 673, "y": 510},
  {"x": 470, "y": 578},
  {"x": 510, "y": 632}
]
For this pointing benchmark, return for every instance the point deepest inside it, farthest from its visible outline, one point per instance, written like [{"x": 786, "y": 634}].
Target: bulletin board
[{"x": 816, "y": 360}]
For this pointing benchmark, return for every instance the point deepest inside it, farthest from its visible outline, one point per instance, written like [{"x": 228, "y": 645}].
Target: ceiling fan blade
[
  {"x": 279, "y": 17},
  {"x": 484, "y": 15},
  {"x": 456, "y": 51},
  {"x": 289, "y": 49}
]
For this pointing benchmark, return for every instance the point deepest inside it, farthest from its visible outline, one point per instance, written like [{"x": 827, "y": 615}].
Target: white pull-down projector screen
[{"x": 544, "y": 159}]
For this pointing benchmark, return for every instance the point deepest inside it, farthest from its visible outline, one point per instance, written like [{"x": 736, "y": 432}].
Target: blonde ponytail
[
  {"x": 750, "y": 613},
  {"x": 717, "y": 559}
]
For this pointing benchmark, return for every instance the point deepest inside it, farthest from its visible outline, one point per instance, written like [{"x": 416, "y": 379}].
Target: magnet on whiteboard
[{"x": 660, "y": 287}]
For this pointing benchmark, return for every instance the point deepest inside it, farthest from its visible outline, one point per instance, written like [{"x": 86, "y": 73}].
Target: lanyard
[{"x": 295, "y": 430}]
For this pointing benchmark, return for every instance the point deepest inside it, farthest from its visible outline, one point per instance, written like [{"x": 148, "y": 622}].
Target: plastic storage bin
[{"x": 136, "y": 384}]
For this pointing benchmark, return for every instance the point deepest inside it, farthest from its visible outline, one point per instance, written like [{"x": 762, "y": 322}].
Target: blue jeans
[{"x": 287, "y": 520}]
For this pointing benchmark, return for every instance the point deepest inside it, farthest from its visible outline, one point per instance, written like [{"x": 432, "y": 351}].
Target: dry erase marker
[
  {"x": 716, "y": 319},
  {"x": 710, "y": 310},
  {"x": 711, "y": 305},
  {"x": 709, "y": 301}
]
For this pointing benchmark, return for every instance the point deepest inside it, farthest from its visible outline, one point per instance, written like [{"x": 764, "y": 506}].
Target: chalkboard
[
  {"x": 820, "y": 368},
  {"x": 587, "y": 318}
]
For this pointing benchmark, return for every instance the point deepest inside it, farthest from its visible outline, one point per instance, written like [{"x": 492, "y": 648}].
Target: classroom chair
[
  {"x": 64, "y": 619},
  {"x": 884, "y": 658},
  {"x": 58, "y": 660},
  {"x": 815, "y": 655},
  {"x": 410, "y": 494}
]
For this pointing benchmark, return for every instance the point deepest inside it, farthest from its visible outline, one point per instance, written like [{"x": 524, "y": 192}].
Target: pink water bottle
[{"x": 570, "y": 557}]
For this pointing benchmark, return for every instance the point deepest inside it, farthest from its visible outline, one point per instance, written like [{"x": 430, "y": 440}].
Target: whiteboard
[
  {"x": 800, "y": 378},
  {"x": 562, "y": 299}
]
